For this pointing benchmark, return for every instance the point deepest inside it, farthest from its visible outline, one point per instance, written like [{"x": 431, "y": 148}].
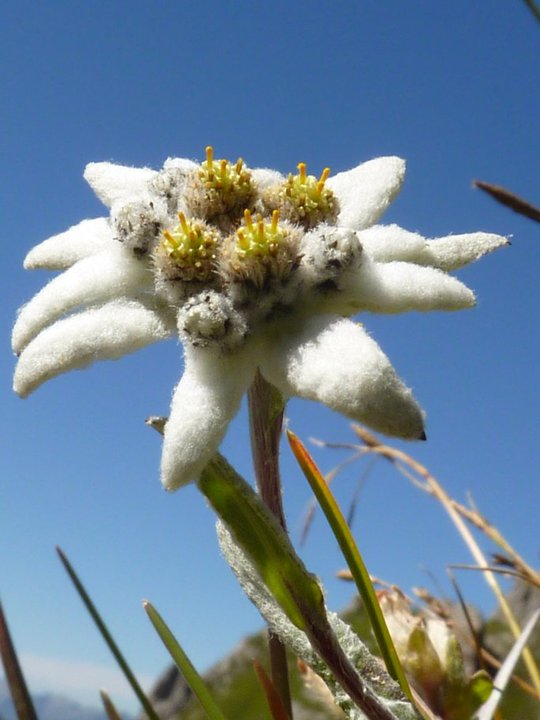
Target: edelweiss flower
[{"x": 251, "y": 270}]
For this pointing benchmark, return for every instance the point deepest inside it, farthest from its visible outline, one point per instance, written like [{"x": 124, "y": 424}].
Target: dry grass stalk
[{"x": 421, "y": 478}]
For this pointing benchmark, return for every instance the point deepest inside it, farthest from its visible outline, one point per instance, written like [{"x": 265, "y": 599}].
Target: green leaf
[
  {"x": 354, "y": 560},
  {"x": 106, "y": 635},
  {"x": 257, "y": 534},
  {"x": 480, "y": 688},
  {"x": 261, "y": 537},
  {"x": 184, "y": 664}
]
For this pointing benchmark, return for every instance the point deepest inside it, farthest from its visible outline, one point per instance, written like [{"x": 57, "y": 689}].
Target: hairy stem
[{"x": 266, "y": 417}]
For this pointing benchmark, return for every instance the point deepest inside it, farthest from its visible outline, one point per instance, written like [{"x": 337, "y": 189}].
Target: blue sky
[{"x": 451, "y": 87}]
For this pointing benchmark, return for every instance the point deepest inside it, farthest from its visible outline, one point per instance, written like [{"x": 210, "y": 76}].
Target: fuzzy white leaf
[
  {"x": 386, "y": 243},
  {"x": 104, "y": 333},
  {"x": 118, "y": 183},
  {"x": 334, "y": 361},
  {"x": 110, "y": 274},
  {"x": 398, "y": 287},
  {"x": 65, "y": 249},
  {"x": 204, "y": 402},
  {"x": 365, "y": 192}
]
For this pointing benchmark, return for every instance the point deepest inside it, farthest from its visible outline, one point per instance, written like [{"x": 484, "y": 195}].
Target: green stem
[{"x": 266, "y": 419}]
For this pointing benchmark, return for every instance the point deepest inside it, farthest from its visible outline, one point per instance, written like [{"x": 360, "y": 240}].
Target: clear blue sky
[{"x": 451, "y": 87}]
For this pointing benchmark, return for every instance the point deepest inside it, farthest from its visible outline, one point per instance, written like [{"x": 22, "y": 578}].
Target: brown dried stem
[{"x": 509, "y": 199}]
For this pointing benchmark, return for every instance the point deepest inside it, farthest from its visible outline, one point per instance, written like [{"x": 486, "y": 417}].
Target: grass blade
[
  {"x": 106, "y": 635},
  {"x": 487, "y": 711},
  {"x": 273, "y": 698},
  {"x": 108, "y": 705},
  {"x": 427, "y": 483},
  {"x": 184, "y": 664},
  {"x": 14, "y": 676},
  {"x": 354, "y": 560}
]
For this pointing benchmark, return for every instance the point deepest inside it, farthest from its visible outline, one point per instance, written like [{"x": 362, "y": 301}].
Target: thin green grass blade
[
  {"x": 14, "y": 675},
  {"x": 108, "y": 705},
  {"x": 488, "y": 709},
  {"x": 184, "y": 664},
  {"x": 354, "y": 560},
  {"x": 106, "y": 635}
]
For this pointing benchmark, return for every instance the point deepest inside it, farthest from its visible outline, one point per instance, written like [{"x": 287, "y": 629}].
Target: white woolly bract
[
  {"x": 110, "y": 274},
  {"x": 104, "y": 333},
  {"x": 204, "y": 402},
  {"x": 365, "y": 192},
  {"x": 374, "y": 677},
  {"x": 455, "y": 251},
  {"x": 398, "y": 287},
  {"x": 118, "y": 183},
  {"x": 265, "y": 177},
  {"x": 334, "y": 361},
  {"x": 65, "y": 249},
  {"x": 386, "y": 243},
  {"x": 182, "y": 164}
]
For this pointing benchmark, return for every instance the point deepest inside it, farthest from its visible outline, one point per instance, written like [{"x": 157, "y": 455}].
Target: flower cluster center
[
  {"x": 223, "y": 175},
  {"x": 191, "y": 246},
  {"x": 259, "y": 239},
  {"x": 303, "y": 199},
  {"x": 306, "y": 190},
  {"x": 239, "y": 235}
]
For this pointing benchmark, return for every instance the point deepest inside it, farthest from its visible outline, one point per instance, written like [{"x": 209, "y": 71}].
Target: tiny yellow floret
[
  {"x": 261, "y": 238},
  {"x": 304, "y": 199},
  {"x": 189, "y": 250},
  {"x": 219, "y": 188}
]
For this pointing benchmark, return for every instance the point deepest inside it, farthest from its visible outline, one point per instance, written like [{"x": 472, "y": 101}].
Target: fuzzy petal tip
[
  {"x": 204, "y": 402},
  {"x": 334, "y": 361}
]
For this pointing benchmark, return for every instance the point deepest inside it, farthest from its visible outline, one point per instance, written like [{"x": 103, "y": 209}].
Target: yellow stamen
[
  {"x": 275, "y": 218},
  {"x": 209, "y": 156},
  {"x": 223, "y": 168},
  {"x": 239, "y": 165},
  {"x": 170, "y": 238},
  {"x": 302, "y": 171},
  {"x": 243, "y": 241},
  {"x": 260, "y": 230},
  {"x": 322, "y": 180},
  {"x": 183, "y": 222},
  {"x": 247, "y": 218}
]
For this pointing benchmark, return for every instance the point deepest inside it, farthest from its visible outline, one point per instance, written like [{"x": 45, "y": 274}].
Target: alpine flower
[{"x": 250, "y": 269}]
